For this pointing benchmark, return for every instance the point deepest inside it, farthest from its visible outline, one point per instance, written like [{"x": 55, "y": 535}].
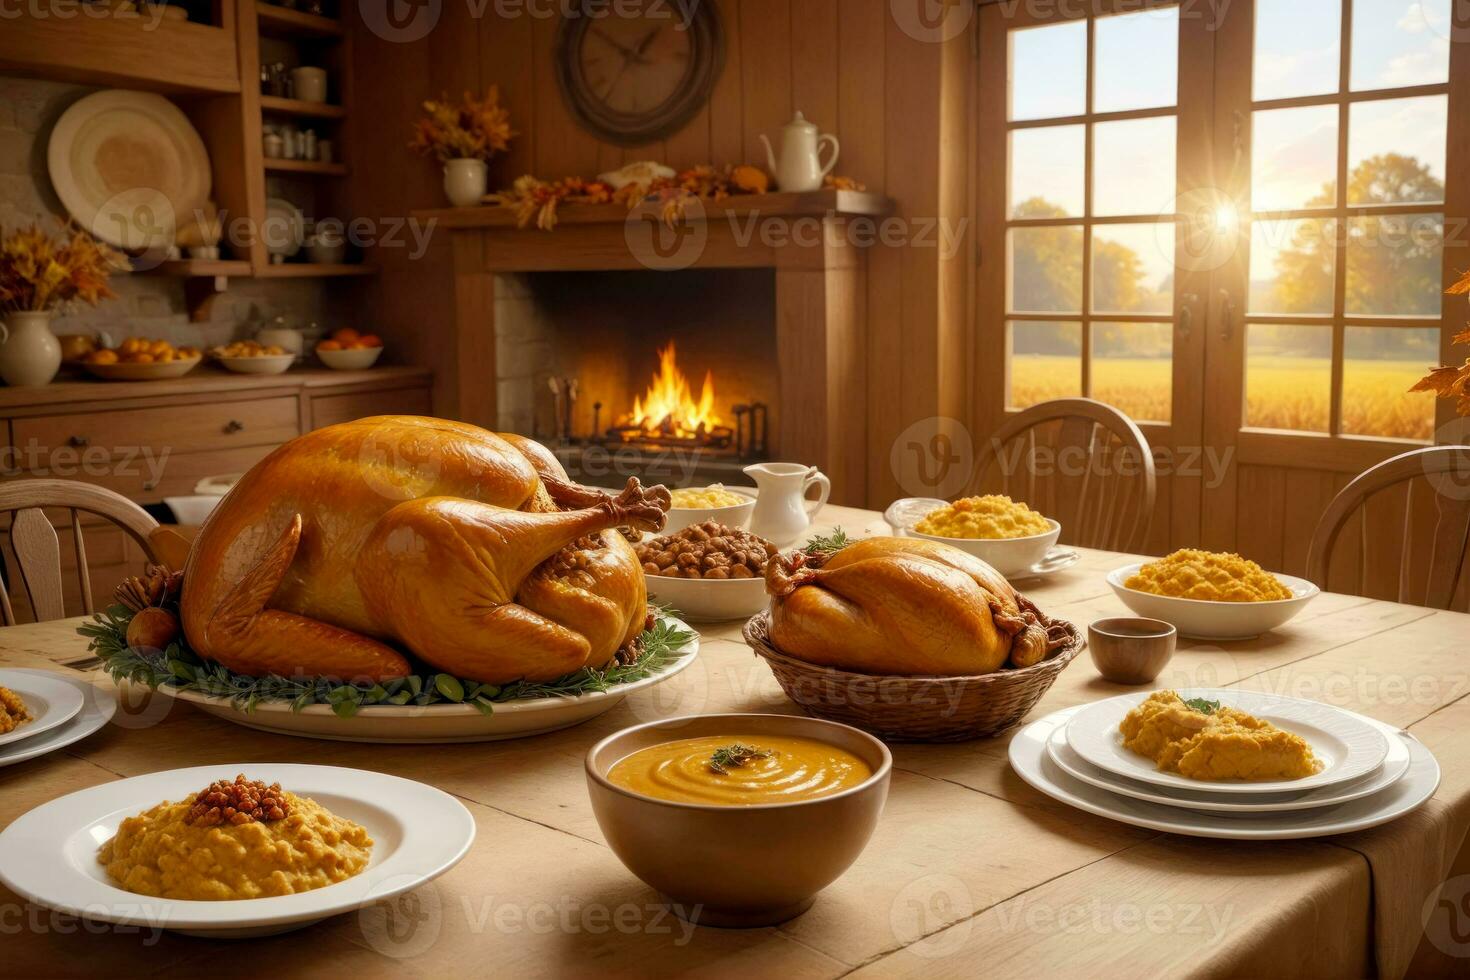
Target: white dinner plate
[
  {"x": 49, "y": 699},
  {"x": 1201, "y": 619},
  {"x": 98, "y": 707},
  {"x": 1395, "y": 764},
  {"x": 1028, "y": 757},
  {"x": 436, "y": 723},
  {"x": 49, "y": 855},
  {"x": 1348, "y": 746}
]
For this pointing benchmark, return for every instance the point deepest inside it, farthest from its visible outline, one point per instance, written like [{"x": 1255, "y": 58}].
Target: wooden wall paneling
[
  {"x": 507, "y": 53},
  {"x": 1258, "y": 526},
  {"x": 726, "y": 105},
  {"x": 562, "y": 148},
  {"x": 474, "y": 333},
  {"x": 1383, "y": 541},
  {"x": 1307, "y": 494},
  {"x": 765, "y": 73},
  {"x": 815, "y": 62}
]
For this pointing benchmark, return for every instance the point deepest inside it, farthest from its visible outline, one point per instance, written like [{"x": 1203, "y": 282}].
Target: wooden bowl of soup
[{"x": 738, "y": 820}]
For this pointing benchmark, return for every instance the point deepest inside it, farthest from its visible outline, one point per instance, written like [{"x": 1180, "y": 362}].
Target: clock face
[{"x": 636, "y": 76}]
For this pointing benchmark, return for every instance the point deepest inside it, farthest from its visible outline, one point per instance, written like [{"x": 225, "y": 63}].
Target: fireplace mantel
[{"x": 815, "y": 243}]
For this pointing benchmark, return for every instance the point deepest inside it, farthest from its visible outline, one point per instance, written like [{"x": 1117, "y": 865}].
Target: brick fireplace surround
[{"x": 814, "y": 243}]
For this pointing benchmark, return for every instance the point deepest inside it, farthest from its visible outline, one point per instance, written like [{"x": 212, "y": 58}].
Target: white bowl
[
  {"x": 262, "y": 364},
  {"x": 706, "y": 600},
  {"x": 736, "y": 515},
  {"x": 1201, "y": 619},
  {"x": 350, "y": 360},
  {"x": 191, "y": 511},
  {"x": 1012, "y": 557}
]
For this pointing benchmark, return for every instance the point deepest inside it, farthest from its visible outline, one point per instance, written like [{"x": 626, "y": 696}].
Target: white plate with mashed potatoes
[
  {"x": 381, "y": 836},
  {"x": 730, "y": 506},
  {"x": 1211, "y": 618},
  {"x": 1214, "y": 740},
  {"x": 1007, "y": 535}
]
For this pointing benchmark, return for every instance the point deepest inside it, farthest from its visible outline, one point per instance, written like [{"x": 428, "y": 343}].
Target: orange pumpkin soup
[{"x": 740, "y": 770}]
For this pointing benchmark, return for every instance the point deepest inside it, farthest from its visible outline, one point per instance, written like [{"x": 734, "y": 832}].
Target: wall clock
[{"x": 635, "y": 73}]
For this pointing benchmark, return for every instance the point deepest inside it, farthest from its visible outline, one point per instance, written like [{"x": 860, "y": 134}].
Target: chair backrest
[
  {"x": 1094, "y": 473},
  {"x": 37, "y": 549},
  {"x": 1430, "y": 563}
]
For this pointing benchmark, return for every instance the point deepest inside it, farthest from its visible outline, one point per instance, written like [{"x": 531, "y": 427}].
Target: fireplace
[{"x": 557, "y": 333}]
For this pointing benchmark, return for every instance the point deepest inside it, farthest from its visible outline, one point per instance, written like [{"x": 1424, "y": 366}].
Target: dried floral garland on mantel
[{"x": 538, "y": 201}]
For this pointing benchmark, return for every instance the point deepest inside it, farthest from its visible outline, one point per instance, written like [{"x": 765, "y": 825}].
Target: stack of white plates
[
  {"x": 63, "y": 710},
  {"x": 1372, "y": 773}
]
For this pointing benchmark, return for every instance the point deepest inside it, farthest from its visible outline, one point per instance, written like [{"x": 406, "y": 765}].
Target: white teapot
[{"x": 800, "y": 167}]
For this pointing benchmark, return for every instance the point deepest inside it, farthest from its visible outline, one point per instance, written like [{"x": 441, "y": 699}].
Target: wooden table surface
[{"x": 970, "y": 871}]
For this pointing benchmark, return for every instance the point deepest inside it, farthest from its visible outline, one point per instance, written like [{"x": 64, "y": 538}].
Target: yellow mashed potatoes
[
  {"x": 1209, "y": 741},
  {"x": 12, "y": 711},
  {"x": 1209, "y": 575},
  {"x": 729, "y": 770},
  {"x": 993, "y": 516},
  {"x": 699, "y": 498},
  {"x": 158, "y": 853}
]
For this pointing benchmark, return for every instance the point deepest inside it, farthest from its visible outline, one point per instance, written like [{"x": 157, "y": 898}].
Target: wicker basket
[{"x": 900, "y": 708}]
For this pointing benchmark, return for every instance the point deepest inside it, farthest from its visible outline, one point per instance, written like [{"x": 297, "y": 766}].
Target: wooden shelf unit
[
  {"x": 275, "y": 105},
  {"x": 310, "y": 168},
  {"x": 186, "y": 268},
  {"x": 310, "y": 270},
  {"x": 296, "y": 24}
]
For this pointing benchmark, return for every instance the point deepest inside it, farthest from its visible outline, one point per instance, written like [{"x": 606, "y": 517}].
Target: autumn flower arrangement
[
  {"x": 1452, "y": 382},
  {"x": 39, "y": 273},
  {"x": 472, "y": 129}
]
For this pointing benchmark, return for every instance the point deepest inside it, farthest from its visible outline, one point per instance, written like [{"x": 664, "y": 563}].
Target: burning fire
[{"x": 669, "y": 406}]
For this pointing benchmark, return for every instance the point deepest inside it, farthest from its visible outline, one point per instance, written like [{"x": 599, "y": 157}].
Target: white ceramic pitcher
[
  {"x": 782, "y": 512},
  {"x": 800, "y": 167}
]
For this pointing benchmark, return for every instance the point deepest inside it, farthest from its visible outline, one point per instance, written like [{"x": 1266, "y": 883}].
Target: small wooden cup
[{"x": 1126, "y": 650}]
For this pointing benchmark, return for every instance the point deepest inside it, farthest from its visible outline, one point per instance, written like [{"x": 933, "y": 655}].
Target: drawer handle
[
  {"x": 78, "y": 442},
  {"x": 150, "y": 485},
  {"x": 234, "y": 425}
]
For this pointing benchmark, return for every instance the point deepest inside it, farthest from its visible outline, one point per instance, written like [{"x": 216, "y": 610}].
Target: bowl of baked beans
[{"x": 708, "y": 571}]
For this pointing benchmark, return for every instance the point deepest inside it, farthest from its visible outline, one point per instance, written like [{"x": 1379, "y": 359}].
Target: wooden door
[
  {"x": 1093, "y": 144},
  {"x": 1345, "y": 150}
]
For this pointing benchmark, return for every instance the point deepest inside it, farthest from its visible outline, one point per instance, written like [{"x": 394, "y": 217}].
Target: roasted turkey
[
  {"x": 469, "y": 549},
  {"x": 904, "y": 606}
]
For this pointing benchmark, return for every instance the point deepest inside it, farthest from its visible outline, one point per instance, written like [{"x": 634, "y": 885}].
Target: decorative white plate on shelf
[
  {"x": 284, "y": 229},
  {"x": 98, "y": 707},
  {"x": 1035, "y": 556},
  {"x": 1029, "y": 758},
  {"x": 1347, "y": 744},
  {"x": 49, "y": 855},
  {"x": 1201, "y": 619},
  {"x": 129, "y": 167},
  {"x": 436, "y": 722},
  {"x": 1395, "y": 764},
  {"x": 49, "y": 699}
]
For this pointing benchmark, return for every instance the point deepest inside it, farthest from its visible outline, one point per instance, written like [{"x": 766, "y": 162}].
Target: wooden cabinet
[{"x": 158, "y": 439}]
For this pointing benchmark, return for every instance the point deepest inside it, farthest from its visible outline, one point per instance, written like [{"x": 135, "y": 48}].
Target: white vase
[
  {"x": 29, "y": 351},
  {"x": 465, "y": 181}
]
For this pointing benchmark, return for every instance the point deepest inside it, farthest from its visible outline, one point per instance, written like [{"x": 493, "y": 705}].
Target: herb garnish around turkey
[
  {"x": 826, "y": 545},
  {"x": 180, "y": 668},
  {"x": 734, "y": 756},
  {"x": 1202, "y": 705}
]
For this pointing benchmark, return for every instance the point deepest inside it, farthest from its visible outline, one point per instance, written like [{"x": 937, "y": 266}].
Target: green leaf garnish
[
  {"x": 722, "y": 760},
  {"x": 1202, "y": 705},
  {"x": 826, "y": 545},
  {"x": 179, "y": 668}
]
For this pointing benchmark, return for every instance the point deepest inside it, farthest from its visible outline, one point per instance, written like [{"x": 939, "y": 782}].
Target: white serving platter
[
  {"x": 436, "y": 723},
  {"x": 1029, "y": 758},
  {"x": 1200, "y": 619},
  {"x": 49, "y": 855},
  {"x": 49, "y": 699},
  {"x": 1348, "y": 746}
]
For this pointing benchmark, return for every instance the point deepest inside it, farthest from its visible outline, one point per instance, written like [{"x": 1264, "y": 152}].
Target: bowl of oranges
[
  {"x": 252, "y": 357},
  {"x": 348, "y": 350},
  {"x": 142, "y": 359}
]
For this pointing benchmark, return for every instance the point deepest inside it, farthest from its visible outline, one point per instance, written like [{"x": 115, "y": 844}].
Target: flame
[{"x": 669, "y": 405}]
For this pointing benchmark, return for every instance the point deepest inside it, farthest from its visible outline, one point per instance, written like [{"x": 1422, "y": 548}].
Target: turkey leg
[
  {"x": 442, "y": 574},
  {"x": 248, "y": 638},
  {"x": 574, "y": 496}
]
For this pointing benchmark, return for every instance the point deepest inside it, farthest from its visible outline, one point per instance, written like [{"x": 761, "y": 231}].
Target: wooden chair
[
  {"x": 1439, "y": 557},
  {"x": 1099, "y": 483},
  {"x": 37, "y": 549}
]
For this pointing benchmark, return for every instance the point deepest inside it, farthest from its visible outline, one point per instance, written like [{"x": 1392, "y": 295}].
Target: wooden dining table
[{"x": 970, "y": 872}]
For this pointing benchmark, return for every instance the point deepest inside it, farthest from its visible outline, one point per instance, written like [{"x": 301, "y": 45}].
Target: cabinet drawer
[
  {"x": 56, "y": 441},
  {"x": 148, "y": 477},
  {"x": 331, "y": 409}
]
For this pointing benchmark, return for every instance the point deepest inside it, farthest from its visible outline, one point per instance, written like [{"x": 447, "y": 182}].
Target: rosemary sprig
[
  {"x": 1202, "y": 705},
  {"x": 179, "y": 668},
  {"x": 728, "y": 757},
  {"x": 826, "y": 545}
]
